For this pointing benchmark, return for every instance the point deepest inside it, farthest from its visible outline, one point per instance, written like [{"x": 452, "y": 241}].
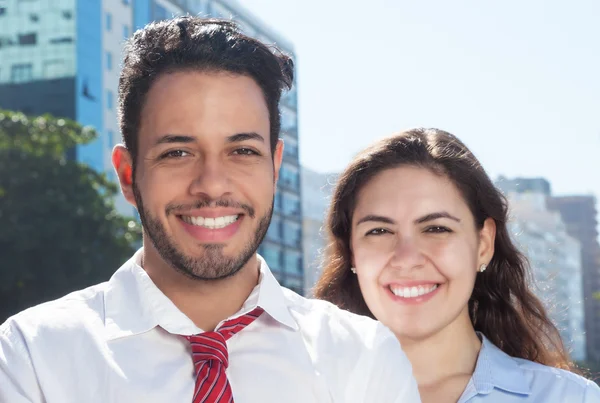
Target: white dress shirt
[{"x": 121, "y": 341}]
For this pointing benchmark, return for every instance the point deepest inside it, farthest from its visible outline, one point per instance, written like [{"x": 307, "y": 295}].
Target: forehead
[
  {"x": 409, "y": 190},
  {"x": 204, "y": 103}
]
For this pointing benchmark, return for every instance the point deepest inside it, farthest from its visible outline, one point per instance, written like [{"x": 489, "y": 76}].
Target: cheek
[
  {"x": 159, "y": 189},
  {"x": 369, "y": 262},
  {"x": 454, "y": 260}
]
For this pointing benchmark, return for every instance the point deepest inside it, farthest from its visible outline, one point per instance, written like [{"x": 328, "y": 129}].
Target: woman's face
[{"x": 417, "y": 250}]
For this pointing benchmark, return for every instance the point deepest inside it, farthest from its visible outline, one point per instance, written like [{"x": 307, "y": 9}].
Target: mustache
[{"x": 182, "y": 208}]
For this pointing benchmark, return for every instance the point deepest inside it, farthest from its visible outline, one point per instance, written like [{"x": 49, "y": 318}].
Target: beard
[{"x": 213, "y": 265}]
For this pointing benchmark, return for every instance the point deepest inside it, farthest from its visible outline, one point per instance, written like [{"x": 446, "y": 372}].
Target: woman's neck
[{"x": 447, "y": 353}]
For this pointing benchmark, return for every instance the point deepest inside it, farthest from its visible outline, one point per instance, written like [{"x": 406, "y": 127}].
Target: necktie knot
[
  {"x": 209, "y": 349},
  {"x": 209, "y": 346}
]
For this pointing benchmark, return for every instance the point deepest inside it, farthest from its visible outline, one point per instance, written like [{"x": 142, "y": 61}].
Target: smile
[
  {"x": 211, "y": 222},
  {"x": 413, "y": 292}
]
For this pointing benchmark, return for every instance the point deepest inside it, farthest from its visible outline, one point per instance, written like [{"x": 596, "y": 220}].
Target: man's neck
[
  {"x": 450, "y": 352},
  {"x": 206, "y": 303}
]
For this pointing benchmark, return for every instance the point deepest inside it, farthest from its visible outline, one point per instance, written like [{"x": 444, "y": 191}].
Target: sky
[{"x": 517, "y": 81}]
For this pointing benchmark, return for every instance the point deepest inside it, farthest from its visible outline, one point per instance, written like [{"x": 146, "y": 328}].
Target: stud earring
[
  {"x": 353, "y": 270},
  {"x": 482, "y": 268}
]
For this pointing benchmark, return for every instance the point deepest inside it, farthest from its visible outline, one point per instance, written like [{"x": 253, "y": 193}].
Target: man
[{"x": 196, "y": 315}]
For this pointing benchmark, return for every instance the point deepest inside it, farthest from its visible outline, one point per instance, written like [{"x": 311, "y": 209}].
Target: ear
[
  {"x": 122, "y": 162},
  {"x": 277, "y": 158},
  {"x": 487, "y": 239}
]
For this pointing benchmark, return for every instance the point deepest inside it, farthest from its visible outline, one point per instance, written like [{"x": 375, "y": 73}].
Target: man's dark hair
[{"x": 197, "y": 44}]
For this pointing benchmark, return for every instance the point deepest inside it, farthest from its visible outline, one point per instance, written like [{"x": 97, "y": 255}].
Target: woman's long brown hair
[{"x": 502, "y": 305}]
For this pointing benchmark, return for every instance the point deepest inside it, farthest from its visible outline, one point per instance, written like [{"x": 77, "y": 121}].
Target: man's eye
[
  {"x": 245, "y": 151},
  {"x": 174, "y": 154},
  {"x": 378, "y": 231}
]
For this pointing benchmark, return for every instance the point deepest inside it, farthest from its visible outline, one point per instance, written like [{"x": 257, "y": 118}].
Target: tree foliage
[{"x": 59, "y": 230}]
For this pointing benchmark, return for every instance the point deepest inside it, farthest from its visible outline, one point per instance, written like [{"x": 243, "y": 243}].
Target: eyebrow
[
  {"x": 426, "y": 218},
  {"x": 375, "y": 218},
  {"x": 170, "y": 138},
  {"x": 435, "y": 216},
  {"x": 236, "y": 138}
]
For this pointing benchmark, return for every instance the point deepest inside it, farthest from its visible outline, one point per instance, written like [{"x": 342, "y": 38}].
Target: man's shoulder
[
  {"x": 340, "y": 323},
  {"x": 68, "y": 312}
]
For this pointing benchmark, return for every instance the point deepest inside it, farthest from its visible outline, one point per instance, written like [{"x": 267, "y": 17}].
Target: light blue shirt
[{"x": 501, "y": 378}]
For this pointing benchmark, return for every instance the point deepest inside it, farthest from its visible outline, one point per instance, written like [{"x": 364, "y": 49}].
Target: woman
[{"x": 418, "y": 240}]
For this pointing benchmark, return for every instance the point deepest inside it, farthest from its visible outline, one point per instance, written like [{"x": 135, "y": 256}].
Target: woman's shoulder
[
  {"x": 540, "y": 382},
  {"x": 556, "y": 374},
  {"x": 559, "y": 382}
]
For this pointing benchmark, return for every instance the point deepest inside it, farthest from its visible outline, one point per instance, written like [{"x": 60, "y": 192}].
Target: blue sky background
[{"x": 518, "y": 81}]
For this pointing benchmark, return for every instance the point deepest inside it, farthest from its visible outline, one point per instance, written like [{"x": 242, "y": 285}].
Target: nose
[
  {"x": 407, "y": 254},
  {"x": 211, "y": 180}
]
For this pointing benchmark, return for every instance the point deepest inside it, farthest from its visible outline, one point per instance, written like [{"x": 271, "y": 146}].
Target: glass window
[
  {"x": 291, "y": 204},
  {"x": 2, "y": 10},
  {"x": 55, "y": 69},
  {"x": 34, "y": 17},
  {"x": 109, "y": 100},
  {"x": 108, "y": 61},
  {"x": 290, "y": 176},
  {"x": 291, "y": 233},
  {"x": 62, "y": 39},
  {"x": 288, "y": 119},
  {"x": 272, "y": 255},
  {"x": 277, "y": 202},
  {"x": 293, "y": 262},
  {"x": 28, "y": 39},
  {"x": 125, "y": 32},
  {"x": 290, "y": 148},
  {"x": 274, "y": 231},
  {"x": 20, "y": 73},
  {"x": 108, "y": 21},
  {"x": 126, "y": 2},
  {"x": 67, "y": 14}
]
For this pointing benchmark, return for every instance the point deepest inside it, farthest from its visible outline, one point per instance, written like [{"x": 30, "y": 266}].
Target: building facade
[
  {"x": 62, "y": 57},
  {"x": 555, "y": 259},
  {"x": 316, "y": 195},
  {"x": 579, "y": 213}
]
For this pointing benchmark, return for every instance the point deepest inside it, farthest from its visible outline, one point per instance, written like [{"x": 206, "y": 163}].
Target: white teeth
[
  {"x": 212, "y": 223},
  {"x": 412, "y": 292}
]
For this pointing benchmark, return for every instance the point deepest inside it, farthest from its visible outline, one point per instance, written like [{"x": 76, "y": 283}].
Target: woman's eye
[
  {"x": 437, "y": 229},
  {"x": 378, "y": 231}
]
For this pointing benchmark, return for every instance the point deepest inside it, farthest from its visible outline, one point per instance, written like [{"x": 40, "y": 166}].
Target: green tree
[{"x": 59, "y": 230}]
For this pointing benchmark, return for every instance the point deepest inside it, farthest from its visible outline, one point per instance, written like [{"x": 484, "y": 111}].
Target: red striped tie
[{"x": 209, "y": 352}]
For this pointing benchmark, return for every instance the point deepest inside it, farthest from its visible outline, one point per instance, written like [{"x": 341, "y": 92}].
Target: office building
[
  {"x": 316, "y": 195},
  {"x": 579, "y": 214},
  {"x": 555, "y": 259}
]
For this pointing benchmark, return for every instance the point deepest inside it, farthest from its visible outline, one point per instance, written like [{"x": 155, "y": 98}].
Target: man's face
[{"x": 205, "y": 175}]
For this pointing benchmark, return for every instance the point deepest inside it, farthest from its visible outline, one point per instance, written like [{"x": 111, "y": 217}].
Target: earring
[
  {"x": 353, "y": 270},
  {"x": 482, "y": 268}
]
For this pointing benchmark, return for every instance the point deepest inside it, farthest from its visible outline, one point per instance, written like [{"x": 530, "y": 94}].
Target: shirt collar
[
  {"x": 134, "y": 304},
  {"x": 496, "y": 369}
]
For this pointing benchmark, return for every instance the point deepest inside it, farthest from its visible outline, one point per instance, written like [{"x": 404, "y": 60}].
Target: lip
[
  {"x": 208, "y": 235},
  {"x": 412, "y": 301}
]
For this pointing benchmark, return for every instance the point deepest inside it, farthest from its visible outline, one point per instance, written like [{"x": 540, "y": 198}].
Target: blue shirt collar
[{"x": 496, "y": 369}]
